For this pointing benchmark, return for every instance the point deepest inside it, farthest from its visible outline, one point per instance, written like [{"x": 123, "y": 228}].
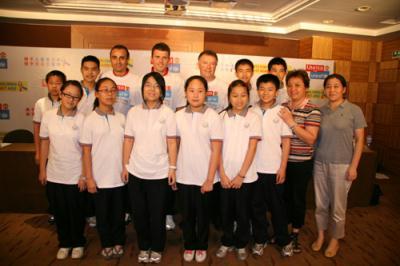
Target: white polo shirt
[
  {"x": 129, "y": 91},
  {"x": 239, "y": 129},
  {"x": 150, "y": 129},
  {"x": 196, "y": 131},
  {"x": 269, "y": 151},
  {"x": 283, "y": 96},
  {"x": 42, "y": 105},
  {"x": 85, "y": 105},
  {"x": 174, "y": 91},
  {"x": 217, "y": 95},
  {"x": 105, "y": 134},
  {"x": 64, "y": 164}
]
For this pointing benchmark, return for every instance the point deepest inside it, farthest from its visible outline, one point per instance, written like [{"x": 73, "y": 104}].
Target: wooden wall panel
[
  {"x": 343, "y": 68},
  {"x": 369, "y": 111},
  {"x": 305, "y": 48},
  {"x": 391, "y": 64},
  {"x": 372, "y": 93},
  {"x": 322, "y": 47},
  {"x": 379, "y": 51},
  {"x": 383, "y": 114},
  {"x": 359, "y": 71},
  {"x": 388, "y": 47},
  {"x": 358, "y": 92},
  {"x": 396, "y": 118},
  {"x": 387, "y": 75},
  {"x": 373, "y": 68},
  {"x": 250, "y": 45},
  {"x": 105, "y": 37},
  {"x": 341, "y": 49},
  {"x": 35, "y": 35},
  {"x": 361, "y": 51},
  {"x": 387, "y": 93}
]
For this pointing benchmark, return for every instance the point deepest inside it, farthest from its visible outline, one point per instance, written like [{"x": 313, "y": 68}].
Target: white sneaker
[
  {"x": 77, "y": 253},
  {"x": 222, "y": 251},
  {"x": 188, "y": 255},
  {"x": 91, "y": 221},
  {"x": 155, "y": 257},
  {"x": 169, "y": 222},
  {"x": 63, "y": 253},
  {"x": 241, "y": 253},
  {"x": 201, "y": 255},
  {"x": 144, "y": 256}
]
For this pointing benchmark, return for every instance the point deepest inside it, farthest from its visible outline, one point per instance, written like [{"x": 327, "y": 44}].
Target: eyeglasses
[
  {"x": 71, "y": 97},
  {"x": 108, "y": 91}
]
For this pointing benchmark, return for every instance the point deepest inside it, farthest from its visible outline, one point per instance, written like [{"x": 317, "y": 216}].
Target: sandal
[
  {"x": 107, "y": 253},
  {"x": 118, "y": 251}
]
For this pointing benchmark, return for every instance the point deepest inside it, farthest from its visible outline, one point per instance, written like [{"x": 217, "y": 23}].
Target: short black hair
[
  {"x": 56, "y": 73},
  {"x": 97, "y": 87},
  {"x": 208, "y": 52},
  {"x": 120, "y": 47},
  {"x": 336, "y": 76},
  {"x": 265, "y": 78},
  {"x": 72, "y": 83},
  {"x": 90, "y": 58},
  {"x": 277, "y": 61},
  {"x": 299, "y": 73},
  {"x": 200, "y": 78},
  {"x": 161, "y": 46},
  {"x": 244, "y": 61},
  {"x": 160, "y": 81}
]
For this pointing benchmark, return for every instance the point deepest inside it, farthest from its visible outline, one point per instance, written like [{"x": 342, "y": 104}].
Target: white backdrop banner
[{"x": 23, "y": 71}]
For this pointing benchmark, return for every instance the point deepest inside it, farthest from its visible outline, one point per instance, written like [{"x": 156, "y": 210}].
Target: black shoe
[
  {"x": 296, "y": 245},
  {"x": 51, "y": 219}
]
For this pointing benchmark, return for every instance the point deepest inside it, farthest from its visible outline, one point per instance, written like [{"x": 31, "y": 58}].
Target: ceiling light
[{"x": 363, "y": 8}]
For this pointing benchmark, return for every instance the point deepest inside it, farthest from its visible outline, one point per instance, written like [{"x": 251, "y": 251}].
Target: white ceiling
[{"x": 286, "y": 18}]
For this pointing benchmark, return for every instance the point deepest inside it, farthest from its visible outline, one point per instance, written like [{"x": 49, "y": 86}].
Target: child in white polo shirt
[
  {"x": 149, "y": 165},
  {"x": 61, "y": 169},
  {"x": 271, "y": 160},
  {"x": 102, "y": 139},
  {"x": 242, "y": 131},
  {"x": 199, "y": 129}
]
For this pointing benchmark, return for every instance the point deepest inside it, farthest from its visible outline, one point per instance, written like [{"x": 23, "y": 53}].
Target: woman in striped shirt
[{"x": 304, "y": 119}]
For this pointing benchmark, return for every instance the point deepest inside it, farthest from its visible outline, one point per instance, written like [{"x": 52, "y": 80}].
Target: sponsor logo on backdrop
[
  {"x": 3, "y": 60},
  {"x": 316, "y": 68},
  {"x": 260, "y": 68},
  {"x": 20, "y": 86},
  {"x": 319, "y": 75},
  {"x": 4, "y": 111},
  {"x": 29, "y": 111},
  {"x": 315, "y": 94},
  {"x": 40, "y": 61},
  {"x": 174, "y": 65}
]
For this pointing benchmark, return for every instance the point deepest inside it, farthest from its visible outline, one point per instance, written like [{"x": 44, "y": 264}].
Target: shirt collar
[
  {"x": 188, "y": 109},
  {"x": 259, "y": 105},
  {"x": 243, "y": 113},
  {"x": 301, "y": 106},
  {"x": 51, "y": 99},
  {"x": 59, "y": 112},
  {"x": 99, "y": 112},
  {"x": 164, "y": 73},
  {"x": 146, "y": 107}
]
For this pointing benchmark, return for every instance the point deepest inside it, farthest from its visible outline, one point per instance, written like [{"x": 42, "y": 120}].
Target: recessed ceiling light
[
  {"x": 328, "y": 21},
  {"x": 363, "y": 8}
]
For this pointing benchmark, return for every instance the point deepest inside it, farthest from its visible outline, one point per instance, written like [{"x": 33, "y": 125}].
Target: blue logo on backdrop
[{"x": 319, "y": 75}]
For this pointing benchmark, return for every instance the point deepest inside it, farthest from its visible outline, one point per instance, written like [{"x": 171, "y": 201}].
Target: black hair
[
  {"x": 200, "y": 78},
  {"x": 277, "y": 61},
  {"x": 208, "y": 52},
  {"x": 244, "y": 61},
  {"x": 265, "y": 78},
  {"x": 72, "y": 83},
  {"x": 338, "y": 77},
  {"x": 234, "y": 84},
  {"x": 120, "y": 47},
  {"x": 56, "y": 73},
  {"x": 161, "y": 46},
  {"x": 160, "y": 81},
  {"x": 90, "y": 58},
  {"x": 299, "y": 73},
  {"x": 97, "y": 87}
]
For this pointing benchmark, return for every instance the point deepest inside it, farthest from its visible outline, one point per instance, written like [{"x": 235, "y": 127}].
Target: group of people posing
[{"x": 230, "y": 153}]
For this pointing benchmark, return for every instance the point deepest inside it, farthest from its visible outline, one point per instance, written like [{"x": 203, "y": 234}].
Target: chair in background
[{"x": 18, "y": 136}]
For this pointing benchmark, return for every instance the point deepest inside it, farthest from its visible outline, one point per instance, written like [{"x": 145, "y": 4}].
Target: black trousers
[
  {"x": 170, "y": 201},
  {"x": 89, "y": 205},
  {"x": 196, "y": 217},
  {"x": 109, "y": 208},
  {"x": 235, "y": 206},
  {"x": 68, "y": 205},
  {"x": 298, "y": 175},
  {"x": 214, "y": 206},
  {"x": 268, "y": 196},
  {"x": 148, "y": 201}
]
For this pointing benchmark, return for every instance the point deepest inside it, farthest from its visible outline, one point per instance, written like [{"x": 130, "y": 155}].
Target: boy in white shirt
[
  {"x": 244, "y": 70},
  {"x": 90, "y": 69},
  {"x": 278, "y": 67}
]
